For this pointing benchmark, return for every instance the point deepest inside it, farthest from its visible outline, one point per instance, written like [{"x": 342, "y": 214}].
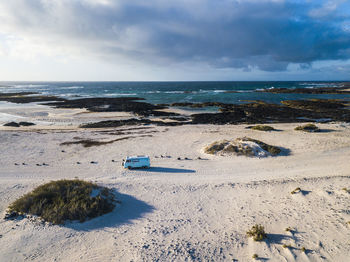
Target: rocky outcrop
[
  {"x": 321, "y": 90},
  {"x": 27, "y": 97},
  {"x": 15, "y": 124}
]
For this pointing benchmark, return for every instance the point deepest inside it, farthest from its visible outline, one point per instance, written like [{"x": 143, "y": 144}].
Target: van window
[{"x": 128, "y": 161}]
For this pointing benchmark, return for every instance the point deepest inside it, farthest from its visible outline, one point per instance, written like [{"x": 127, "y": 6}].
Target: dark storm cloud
[{"x": 268, "y": 35}]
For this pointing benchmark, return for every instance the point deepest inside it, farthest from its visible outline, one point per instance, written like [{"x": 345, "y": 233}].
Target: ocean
[{"x": 170, "y": 92}]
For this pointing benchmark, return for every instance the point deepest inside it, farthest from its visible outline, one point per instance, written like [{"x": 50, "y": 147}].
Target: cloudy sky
[{"x": 174, "y": 40}]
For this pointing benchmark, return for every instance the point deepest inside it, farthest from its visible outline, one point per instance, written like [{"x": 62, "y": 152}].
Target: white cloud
[{"x": 265, "y": 35}]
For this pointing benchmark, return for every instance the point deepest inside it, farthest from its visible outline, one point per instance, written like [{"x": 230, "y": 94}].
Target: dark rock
[
  {"x": 289, "y": 111},
  {"x": 26, "y": 124},
  {"x": 13, "y": 124},
  {"x": 198, "y": 105},
  {"x": 128, "y": 122},
  {"x": 27, "y": 97},
  {"x": 118, "y": 104},
  {"x": 321, "y": 90}
]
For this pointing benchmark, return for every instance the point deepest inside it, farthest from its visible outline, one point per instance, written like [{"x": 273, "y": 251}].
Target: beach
[{"x": 198, "y": 208}]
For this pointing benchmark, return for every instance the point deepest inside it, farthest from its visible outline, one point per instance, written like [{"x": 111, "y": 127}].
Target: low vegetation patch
[
  {"x": 346, "y": 190},
  {"x": 257, "y": 232},
  {"x": 262, "y": 128},
  {"x": 308, "y": 128},
  {"x": 255, "y": 256},
  {"x": 289, "y": 229},
  {"x": 242, "y": 146},
  {"x": 297, "y": 190},
  {"x": 62, "y": 200},
  {"x": 91, "y": 143},
  {"x": 273, "y": 150}
]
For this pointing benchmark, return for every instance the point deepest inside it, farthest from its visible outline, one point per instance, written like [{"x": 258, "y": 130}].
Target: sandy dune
[{"x": 184, "y": 210}]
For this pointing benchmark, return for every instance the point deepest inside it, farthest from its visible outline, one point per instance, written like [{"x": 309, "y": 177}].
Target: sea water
[{"x": 171, "y": 92}]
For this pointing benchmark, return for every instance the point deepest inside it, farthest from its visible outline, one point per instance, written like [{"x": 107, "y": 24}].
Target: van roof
[{"x": 137, "y": 157}]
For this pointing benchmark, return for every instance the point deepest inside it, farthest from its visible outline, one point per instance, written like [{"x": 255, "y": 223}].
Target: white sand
[{"x": 184, "y": 210}]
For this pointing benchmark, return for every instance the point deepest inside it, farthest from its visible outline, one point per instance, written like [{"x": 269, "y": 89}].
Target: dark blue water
[{"x": 170, "y": 92}]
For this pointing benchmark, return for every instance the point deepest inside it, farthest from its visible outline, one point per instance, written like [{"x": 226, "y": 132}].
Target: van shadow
[
  {"x": 159, "y": 169},
  {"x": 126, "y": 211}
]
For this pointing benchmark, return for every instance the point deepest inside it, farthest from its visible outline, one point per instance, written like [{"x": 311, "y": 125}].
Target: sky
[{"x": 174, "y": 40}]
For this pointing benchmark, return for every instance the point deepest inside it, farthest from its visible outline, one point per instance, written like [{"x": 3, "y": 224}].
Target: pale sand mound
[{"x": 242, "y": 146}]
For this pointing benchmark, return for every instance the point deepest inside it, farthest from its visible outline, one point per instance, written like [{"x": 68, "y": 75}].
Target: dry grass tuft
[
  {"x": 257, "y": 232},
  {"x": 241, "y": 146},
  {"x": 307, "y": 128},
  {"x": 297, "y": 190},
  {"x": 262, "y": 128}
]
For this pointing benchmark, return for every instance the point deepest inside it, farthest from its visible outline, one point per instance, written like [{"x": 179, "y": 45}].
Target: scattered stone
[
  {"x": 16, "y": 164},
  {"x": 179, "y": 158},
  {"x": 78, "y": 163}
]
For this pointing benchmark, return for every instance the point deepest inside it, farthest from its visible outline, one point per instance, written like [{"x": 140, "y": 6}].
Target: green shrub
[
  {"x": 255, "y": 256},
  {"x": 62, "y": 200},
  {"x": 262, "y": 128},
  {"x": 303, "y": 249},
  {"x": 257, "y": 232},
  {"x": 308, "y": 128},
  {"x": 286, "y": 246}
]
